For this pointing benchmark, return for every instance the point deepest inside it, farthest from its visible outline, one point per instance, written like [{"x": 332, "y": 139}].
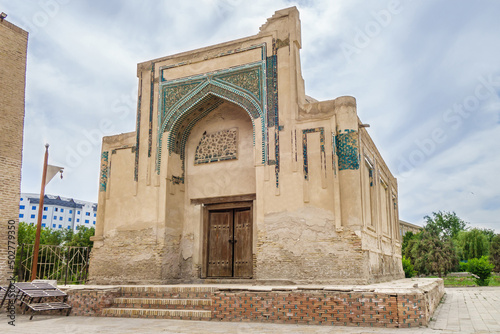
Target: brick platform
[{"x": 397, "y": 304}]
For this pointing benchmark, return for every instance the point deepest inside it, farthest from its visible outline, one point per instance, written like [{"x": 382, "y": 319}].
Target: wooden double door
[{"x": 228, "y": 239}]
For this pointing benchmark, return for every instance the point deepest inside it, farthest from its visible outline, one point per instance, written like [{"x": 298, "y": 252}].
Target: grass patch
[{"x": 467, "y": 281}]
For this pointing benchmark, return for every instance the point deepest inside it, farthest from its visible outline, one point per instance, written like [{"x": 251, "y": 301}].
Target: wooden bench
[{"x": 32, "y": 295}]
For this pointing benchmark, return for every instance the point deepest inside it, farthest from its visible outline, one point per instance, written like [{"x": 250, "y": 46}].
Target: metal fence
[{"x": 66, "y": 264}]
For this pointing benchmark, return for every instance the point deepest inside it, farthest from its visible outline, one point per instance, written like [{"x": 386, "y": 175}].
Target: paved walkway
[{"x": 464, "y": 310}]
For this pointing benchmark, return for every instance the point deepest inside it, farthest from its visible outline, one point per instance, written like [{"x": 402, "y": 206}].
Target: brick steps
[
  {"x": 151, "y": 303},
  {"x": 157, "y": 313},
  {"x": 162, "y": 302}
]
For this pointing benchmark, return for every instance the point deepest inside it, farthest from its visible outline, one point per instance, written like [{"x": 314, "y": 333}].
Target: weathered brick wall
[
  {"x": 363, "y": 309},
  {"x": 127, "y": 257},
  {"x": 90, "y": 302},
  {"x": 13, "y": 47}
]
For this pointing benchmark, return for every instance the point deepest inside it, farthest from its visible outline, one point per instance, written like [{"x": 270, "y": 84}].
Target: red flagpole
[{"x": 40, "y": 212}]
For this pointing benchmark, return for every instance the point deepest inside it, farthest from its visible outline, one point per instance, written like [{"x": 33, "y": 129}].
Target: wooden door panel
[
  {"x": 220, "y": 250},
  {"x": 243, "y": 260}
]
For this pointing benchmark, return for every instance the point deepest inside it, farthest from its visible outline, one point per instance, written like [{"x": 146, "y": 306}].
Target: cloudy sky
[{"x": 426, "y": 76}]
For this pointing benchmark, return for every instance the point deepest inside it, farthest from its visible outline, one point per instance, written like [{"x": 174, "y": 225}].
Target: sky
[{"x": 425, "y": 74}]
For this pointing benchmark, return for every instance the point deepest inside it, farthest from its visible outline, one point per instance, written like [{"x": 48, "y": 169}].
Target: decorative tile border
[
  {"x": 272, "y": 109},
  {"x": 321, "y": 131},
  {"x": 104, "y": 171},
  {"x": 151, "y": 100}
]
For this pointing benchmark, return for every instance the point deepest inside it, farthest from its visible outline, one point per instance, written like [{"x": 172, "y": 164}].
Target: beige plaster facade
[
  {"x": 13, "y": 49},
  {"x": 233, "y": 173}
]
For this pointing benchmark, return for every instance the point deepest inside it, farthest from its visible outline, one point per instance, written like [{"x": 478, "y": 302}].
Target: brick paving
[{"x": 463, "y": 310}]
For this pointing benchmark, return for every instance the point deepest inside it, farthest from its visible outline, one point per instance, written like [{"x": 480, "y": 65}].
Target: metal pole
[{"x": 40, "y": 213}]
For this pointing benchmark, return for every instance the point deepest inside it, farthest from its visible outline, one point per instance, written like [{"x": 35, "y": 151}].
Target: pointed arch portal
[{"x": 185, "y": 101}]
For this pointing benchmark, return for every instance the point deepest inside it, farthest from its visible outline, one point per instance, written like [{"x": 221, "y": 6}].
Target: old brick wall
[
  {"x": 127, "y": 257},
  {"x": 13, "y": 48},
  {"x": 361, "y": 309}
]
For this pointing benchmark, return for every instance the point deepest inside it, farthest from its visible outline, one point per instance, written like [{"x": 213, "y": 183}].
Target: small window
[
  {"x": 21, "y": 207},
  {"x": 76, "y": 228},
  {"x": 69, "y": 219},
  {"x": 44, "y": 217},
  {"x": 22, "y": 199},
  {"x": 60, "y": 218},
  {"x": 94, "y": 214},
  {"x": 94, "y": 223},
  {"x": 21, "y": 215},
  {"x": 87, "y": 213},
  {"x": 86, "y": 221},
  {"x": 55, "y": 217},
  {"x": 77, "y": 220},
  {"x": 45, "y": 208},
  {"x": 60, "y": 226},
  {"x": 70, "y": 211},
  {"x": 33, "y": 224},
  {"x": 43, "y": 225},
  {"x": 32, "y": 216},
  {"x": 69, "y": 227},
  {"x": 33, "y": 207},
  {"x": 55, "y": 209},
  {"x": 54, "y": 225},
  {"x": 78, "y": 212},
  {"x": 62, "y": 210}
]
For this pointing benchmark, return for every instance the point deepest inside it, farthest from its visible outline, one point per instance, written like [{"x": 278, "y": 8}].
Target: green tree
[
  {"x": 472, "y": 244},
  {"x": 482, "y": 268},
  {"x": 431, "y": 254},
  {"x": 82, "y": 237},
  {"x": 448, "y": 224},
  {"x": 406, "y": 240},
  {"x": 27, "y": 233},
  {"x": 495, "y": 252},
  {"x": 489, "y": 233}
]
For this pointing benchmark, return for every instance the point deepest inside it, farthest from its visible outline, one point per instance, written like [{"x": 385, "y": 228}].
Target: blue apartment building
[{"x": 58, "y": 212}]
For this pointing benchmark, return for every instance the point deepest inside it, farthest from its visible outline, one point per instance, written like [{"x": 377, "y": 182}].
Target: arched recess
[{"x": 199, "y": 102}]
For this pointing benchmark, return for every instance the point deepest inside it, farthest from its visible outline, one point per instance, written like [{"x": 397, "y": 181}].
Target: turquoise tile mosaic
[
  {"x": 103, "y": 180},
  {"x": 196, "y": 96},
  {"x": 185, "y": 101},
  {"x": 347, "y": 149}
]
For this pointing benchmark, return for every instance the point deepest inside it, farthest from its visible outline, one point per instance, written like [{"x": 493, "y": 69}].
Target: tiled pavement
[
  {"x": 464, "y": 310},
  {"x": 469, "y": 310}
]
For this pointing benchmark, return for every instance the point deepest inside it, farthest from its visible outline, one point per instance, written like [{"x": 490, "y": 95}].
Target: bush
[
  {"x": 408, "y": 268},
  {"x": 463, "y": 266},
  {"x": 482, "y": 268}
]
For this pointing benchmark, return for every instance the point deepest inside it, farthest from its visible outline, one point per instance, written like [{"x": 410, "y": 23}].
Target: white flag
[{"x": 51, "y": 171}]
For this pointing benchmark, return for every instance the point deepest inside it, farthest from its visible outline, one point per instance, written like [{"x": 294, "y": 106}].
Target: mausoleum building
[{"x": 234, "y": 174}]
